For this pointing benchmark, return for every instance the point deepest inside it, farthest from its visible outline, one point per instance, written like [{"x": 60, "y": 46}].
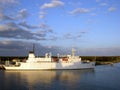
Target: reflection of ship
[
  {"x": 45, "y": 80},
  {"x": 33, "y": 76},
  {"x": 38, "y": 63}
]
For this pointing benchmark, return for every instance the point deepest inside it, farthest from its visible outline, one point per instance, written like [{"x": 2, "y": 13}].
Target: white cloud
[
  {"x": 8, "y": 1},
  {"x": 8, "y": 26},
  {"x": 42, "y": 14},
  {"x": 75, "y": 3},
  {"x": 6, "y": 5},
  {"x": 98, "y": 0},
  {"x": 5, "y": 17},
  {"x": 6, "y": 42},
  {"x": 52, "y": 4},
  {"x": 93, "y": 14},
  {"x": 23, "y": 13},
  {"x": 26, "y": 25},
  {"x": 103, "y": 4},
  {"x": 111, "y": 9},
  {"x": 76, "y": 35},
  {"x": 79, "y": 11},
  {"x": 43, "y": 25}
]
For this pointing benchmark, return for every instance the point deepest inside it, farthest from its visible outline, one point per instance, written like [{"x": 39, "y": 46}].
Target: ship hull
[{"x": 51, "y": 66}]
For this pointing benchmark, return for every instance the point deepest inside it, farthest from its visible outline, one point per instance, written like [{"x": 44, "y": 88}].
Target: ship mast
[{"x": 73, "y": 52}]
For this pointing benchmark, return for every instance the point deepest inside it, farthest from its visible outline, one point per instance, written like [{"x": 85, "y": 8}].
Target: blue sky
[{"x": 90, "y": 26}]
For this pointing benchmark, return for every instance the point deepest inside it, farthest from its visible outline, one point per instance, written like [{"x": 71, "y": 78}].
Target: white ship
[{"x": 48, "y": 63}]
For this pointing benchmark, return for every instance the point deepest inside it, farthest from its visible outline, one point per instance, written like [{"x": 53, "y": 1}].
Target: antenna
[{"x": 33, "y": 47}]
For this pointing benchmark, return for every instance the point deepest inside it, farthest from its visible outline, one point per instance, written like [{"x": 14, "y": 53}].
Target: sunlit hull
[{"x": 51, "y": 66}]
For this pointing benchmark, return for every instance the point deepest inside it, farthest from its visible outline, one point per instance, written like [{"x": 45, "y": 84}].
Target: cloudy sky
[{"x": 92, "y": 27}]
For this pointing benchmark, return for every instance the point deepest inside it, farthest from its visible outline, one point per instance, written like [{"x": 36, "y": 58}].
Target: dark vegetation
[
  {"x": 102, "y": 59},
  {"x": 98, "y": 59}
]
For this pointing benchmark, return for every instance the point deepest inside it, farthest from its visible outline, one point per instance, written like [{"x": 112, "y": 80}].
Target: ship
[{"x": 68, "y": 62}]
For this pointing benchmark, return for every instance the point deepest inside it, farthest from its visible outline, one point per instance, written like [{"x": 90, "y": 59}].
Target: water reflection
[
  {"x": 44, "y": 79},
  {"x": 104, "y": 77}
]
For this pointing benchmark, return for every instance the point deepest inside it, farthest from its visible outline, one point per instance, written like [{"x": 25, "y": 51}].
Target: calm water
[{"x": 105, "y": 77}]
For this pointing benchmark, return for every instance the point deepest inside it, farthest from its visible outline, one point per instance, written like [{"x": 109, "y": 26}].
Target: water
[{"x": 104, "y": 77}]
